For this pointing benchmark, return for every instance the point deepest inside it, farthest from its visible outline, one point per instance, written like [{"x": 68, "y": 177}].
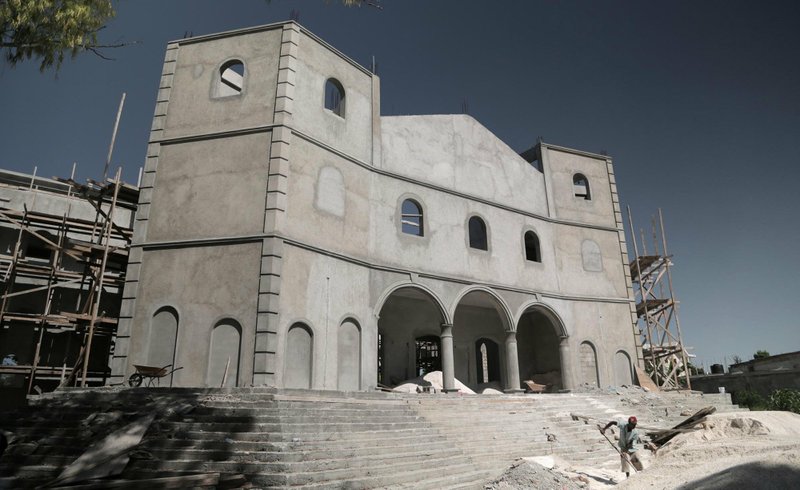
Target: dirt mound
[{"x": 525, "y": 474}]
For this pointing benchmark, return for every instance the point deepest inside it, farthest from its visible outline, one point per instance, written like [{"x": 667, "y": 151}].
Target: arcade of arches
[{"x": 480, "y": 348}]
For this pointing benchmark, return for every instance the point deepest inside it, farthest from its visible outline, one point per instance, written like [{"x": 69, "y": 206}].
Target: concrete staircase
[{"x": 313, "y": 439}]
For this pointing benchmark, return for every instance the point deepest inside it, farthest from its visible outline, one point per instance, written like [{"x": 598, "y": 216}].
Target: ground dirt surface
[{"x": 742, "y": 450}]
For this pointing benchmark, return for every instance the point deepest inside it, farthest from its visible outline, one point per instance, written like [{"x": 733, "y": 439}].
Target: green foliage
[
  {"x": 760, "y": 354},
  {"x": 787, "y": 399},
  {"x": 750, "y": 399},
  {"x": 49, "y": 29}
]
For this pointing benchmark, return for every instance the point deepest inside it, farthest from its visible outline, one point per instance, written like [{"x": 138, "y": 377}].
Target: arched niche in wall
[
  {"x": 163, "y": 339},
  {"x": 588, "y": 361},
  {"x": 349, "y": 356},
  {"x": 224, "y": 354},
  {"x": 592, "y": 258},
  {"x": 623, "y": 372},
  {"x": 330, "y": 196},
  {"x": 487, "y": 354},
  {"x": 299, "y": 356}
]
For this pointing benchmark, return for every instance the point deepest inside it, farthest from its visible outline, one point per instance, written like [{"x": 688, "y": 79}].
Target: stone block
[
  {"x": 282, "y": 133},
  {"x": 150, "y": 165},
  {"x": 289, "y": 49},
  {"x": 264, "y": 362},
  {"x": 269, "y": 284},
  {"x": 165, "y": 81},
  {"x": 168, "y": 68},
  {"x": 278, "y": 166},
  {"x": 266, "y": 322},
  {"x": 161, "y": 109},
  {"x": 280, "y": 149},
  {"x": 135, "y": 254},
  {"x": 268, "y": 303},
  {"x": 134, "y": 269},
  {"x": 139, "y": 231},
  {"x": 172, "y": 53},
  {"x": 163, "y": 95},
  {"x": 278, "y": 183},
  {"x": 276, "y": 200},
  {"x": 146, "y": 195},
  {"x": 266, "y": 342},
  {"x": 158, "y": 123},
  {"x": 287, "y": 76},
  {"x": 286, "y": 63},
  {"x": 271, "y": 264},
  {"x": 148, "y": 178},
  {"x": 272, "y": 246},
  {"x": 285, "y": 90},
  {"x": 131, "y": 289},
  {"x": 153, "y": 149},
  {"x": 143, "y": 212},
  {"x": 122, "y": 345},
  {"x": 126, "y": 308},
  {"x": 284, "y": 104}
]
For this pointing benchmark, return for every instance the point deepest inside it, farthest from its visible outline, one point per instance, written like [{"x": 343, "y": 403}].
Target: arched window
[
  {"x": 334, "y": 97},
  {"x": 580, "y": 185},
  {"x": 231, "y": 78},
  {"x": 411, "y": 218},
  {"x": 477, "y": 234},
  {"x": 532, "y": 250}
]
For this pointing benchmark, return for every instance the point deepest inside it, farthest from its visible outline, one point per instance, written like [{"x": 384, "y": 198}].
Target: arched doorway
[
  {"x": 539, "y": 335},
  {"x": 480, "y": 321},
  {"x": 409, "y": 330}
]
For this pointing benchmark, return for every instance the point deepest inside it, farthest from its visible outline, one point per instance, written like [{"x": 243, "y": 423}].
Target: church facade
[{"x": 289, "y": 235}]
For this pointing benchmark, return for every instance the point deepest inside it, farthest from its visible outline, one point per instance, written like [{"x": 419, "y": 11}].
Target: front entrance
[{"x": 538, "y": 349}]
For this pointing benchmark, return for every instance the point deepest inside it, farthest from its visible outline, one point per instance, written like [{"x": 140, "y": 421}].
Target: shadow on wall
[
  {"x": 52, "y": 433},
  {"x": 749, "y": 476}
]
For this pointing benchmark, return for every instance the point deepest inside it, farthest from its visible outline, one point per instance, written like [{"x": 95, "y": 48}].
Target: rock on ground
[{"x": 528, "y": 475}]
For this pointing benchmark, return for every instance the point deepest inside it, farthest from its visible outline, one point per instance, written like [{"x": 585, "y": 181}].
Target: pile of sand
[
  {"x": 527, "y": 474},
  {"x": 431, "y": 380}
]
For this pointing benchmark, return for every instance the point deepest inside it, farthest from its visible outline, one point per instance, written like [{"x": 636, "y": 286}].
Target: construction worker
[{"x": 628, "y": 436}]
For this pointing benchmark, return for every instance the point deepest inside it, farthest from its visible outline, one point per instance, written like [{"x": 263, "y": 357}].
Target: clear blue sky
[{"x": 698, "y": 102}]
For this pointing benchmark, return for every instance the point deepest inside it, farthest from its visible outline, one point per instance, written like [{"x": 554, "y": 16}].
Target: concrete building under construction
[
  {"x": 63, "y": 255},
  {"x": 289, "y": 235}
]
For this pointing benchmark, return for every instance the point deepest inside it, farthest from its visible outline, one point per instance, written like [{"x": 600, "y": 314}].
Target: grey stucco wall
[{"x": 303, "y": 209}]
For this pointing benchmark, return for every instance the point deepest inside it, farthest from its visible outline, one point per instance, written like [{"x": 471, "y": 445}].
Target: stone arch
[
  {"x": 299, "y": 356},
  {"x": 623, "y": 370},
  {"x": 541, "y": 337},
  {"x": 349, "y": 355},
  {"x": 502, "y": 307},
  {"x": 409, "y": 314},
  {"x": 587, "y": 356},
  {"x": 224, "y": 355},
  {"x": 446, "y": 317}
]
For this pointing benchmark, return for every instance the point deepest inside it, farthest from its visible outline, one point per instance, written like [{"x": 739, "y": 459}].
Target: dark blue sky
[{"x": 698, "y": 102}]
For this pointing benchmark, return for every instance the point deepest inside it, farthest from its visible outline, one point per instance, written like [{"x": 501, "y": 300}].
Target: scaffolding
[
  {"x": 663, "y": 350},
  {"x": 54, "y": 280}
]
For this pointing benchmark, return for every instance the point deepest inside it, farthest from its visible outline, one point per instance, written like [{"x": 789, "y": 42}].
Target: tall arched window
[
  {"x": 532, "y": 250},
  {"x": 580, "y": 185},
  {"x": 231, "y": 78},
  {"x": 411, "y": 218},
  {"x": 334, "y": 97},
  {"x": 477, "y": 234}
]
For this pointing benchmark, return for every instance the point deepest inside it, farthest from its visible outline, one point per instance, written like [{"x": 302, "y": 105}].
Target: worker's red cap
[{"x": 632, "y": 419}]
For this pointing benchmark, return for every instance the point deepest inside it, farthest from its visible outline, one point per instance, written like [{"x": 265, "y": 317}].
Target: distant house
[{"x": 762, "y": 376}]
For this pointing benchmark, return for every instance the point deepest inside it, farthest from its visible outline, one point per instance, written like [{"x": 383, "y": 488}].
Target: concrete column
[
  {"x": 566, "y": 364},
  {"x": 512, "y": 364},
  {"x": 448, "y": 366}
]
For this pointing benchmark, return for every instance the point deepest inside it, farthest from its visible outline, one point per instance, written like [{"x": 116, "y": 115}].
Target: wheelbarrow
[{"x": 152, "y": 373}]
